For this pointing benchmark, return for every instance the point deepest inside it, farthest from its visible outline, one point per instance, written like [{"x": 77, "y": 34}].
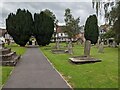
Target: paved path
[{"x": 34, "y": 71}]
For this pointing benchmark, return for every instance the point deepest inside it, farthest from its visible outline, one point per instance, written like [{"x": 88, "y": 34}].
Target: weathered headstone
[
  {"x": 57, "y": 44},
  {"x": 70, "y": 49},
  {"x": 98, "y": 42},
  {"x": 114, "y": 44},
  {"x": 87, "y": 48},
  {"x": 101, "y": 47}
]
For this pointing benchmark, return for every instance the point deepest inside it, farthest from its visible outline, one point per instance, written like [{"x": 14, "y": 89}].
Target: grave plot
[
  {"x": 83, "y": 59},
  {"x": 8, "y": 57},
  {"x": 86, "y": 58}
]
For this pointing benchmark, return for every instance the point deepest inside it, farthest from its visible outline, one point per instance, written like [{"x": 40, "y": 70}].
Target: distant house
[
  {"x": 80, "y": 37},
  {"x": 59, "y": 34},
  {"x": 2, "y": 34},
  {"x": 104, "y": 28},
  {"x": 5, "y": 36},
  {"x": 62, "y": 36}
]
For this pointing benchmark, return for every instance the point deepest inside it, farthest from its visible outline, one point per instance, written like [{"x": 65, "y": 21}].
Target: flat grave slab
[
  {"x": 58, "y": 51},
  {"x": 83, "y": 59}
]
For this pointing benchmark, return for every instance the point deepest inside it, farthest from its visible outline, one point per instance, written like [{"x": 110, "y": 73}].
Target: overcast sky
[{"x": 78, "y": 9}]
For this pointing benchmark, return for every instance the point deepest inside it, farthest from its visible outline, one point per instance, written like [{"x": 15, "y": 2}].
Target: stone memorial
[
  {"x": 101, "y": 47},
  {"x": 8, "y": 57},
  {"x": 70, "y": 49},
  {"x": 57, "y": 49},
  {"x": 114, "y": 44},
  {"x": 57, "y": 44},
  {"x": 86, "y": 57},
  {"x": 87, "y": 48}
]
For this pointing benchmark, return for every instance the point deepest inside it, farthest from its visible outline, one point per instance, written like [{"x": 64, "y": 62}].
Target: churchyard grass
[{"x": 93, "y": 75}]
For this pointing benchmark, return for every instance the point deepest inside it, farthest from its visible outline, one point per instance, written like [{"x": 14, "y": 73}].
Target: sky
[{"x": 78, "y": 9}]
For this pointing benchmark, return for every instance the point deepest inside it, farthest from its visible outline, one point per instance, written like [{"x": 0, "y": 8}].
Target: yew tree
[
  {"x": 43, "y": 28},
  {"x": 20, "y": 26},
  {"x": 91, "y": 29}
]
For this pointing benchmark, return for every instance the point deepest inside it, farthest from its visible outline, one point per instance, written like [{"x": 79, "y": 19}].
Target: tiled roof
[{"x": 2, "y": 31}]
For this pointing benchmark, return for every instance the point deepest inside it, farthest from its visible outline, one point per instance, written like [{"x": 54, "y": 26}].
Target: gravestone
[
  {"x": 98, "y": 42},
  {"x": 114, "y": 44},
  {"x": 101, "y": 47},
  {"x": 86, "y": 58},
  {"x": 57, "y": 44},
  {"x": 70, "y": 50},
  {"x": 87, "y": 48}
]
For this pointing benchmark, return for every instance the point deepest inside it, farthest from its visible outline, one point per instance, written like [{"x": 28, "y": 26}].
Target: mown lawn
[
  {"x": 95, "y": 75},
  {"x": 5, "y": 70}
]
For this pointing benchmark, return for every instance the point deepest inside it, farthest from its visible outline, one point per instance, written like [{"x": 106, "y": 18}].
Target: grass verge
[{"x": 95, "y": 75}]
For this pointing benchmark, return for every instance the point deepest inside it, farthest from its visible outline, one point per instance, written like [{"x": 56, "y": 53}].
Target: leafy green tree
[
  {"x": 116, "y": 24},
  {"x": 72, "y": 25},
  {"x": 112, "y": 17},
  {"x": 91, "y": 29},
  {"x": 99, "y": 4},
  {"x": 19, "y": 26},
  {"x": 51, "y": 14},
  {"x": 43, "y": 28},
  {"x": 109, "y": 34}
]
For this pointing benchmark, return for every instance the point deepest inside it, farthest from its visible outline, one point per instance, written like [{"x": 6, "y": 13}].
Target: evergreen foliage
[
  {"x": 19, "y": 26},
  {"x": 72, "y": 27},
  {"x": 43, "y": 28},
  {"x": 91, "y": 29}
]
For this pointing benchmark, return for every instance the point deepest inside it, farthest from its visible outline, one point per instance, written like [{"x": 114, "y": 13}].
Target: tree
[
  {"x": 112, "y": 17},
  {"x": 91, "y": 33},
  {"x": 116, "y": 22},
  {"x": 109, "y": 34},
  {"x": 44, "y": 28},
  {"x": 91, "y": 29},
  {"x": 49, "y": 13},
  {"x": 52, "y": 15},
  {"x": 72, "y": 27},
  {"x": 99, "y": 4},
  {"x": 19, "y": 26}
]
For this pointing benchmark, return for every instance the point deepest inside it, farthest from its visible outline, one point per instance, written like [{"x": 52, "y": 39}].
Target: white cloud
[{"x": 79, "y": 9}]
